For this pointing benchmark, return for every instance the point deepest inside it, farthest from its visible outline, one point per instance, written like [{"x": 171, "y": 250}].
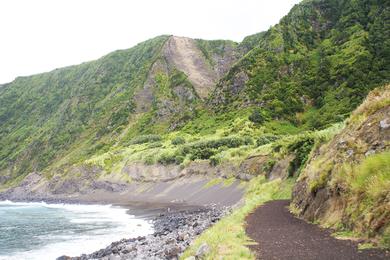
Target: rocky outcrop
[{"x": 326, "y": 190}]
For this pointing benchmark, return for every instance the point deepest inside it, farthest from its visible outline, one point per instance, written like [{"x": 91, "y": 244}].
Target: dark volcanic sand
[{"x": 282, "y": 236}]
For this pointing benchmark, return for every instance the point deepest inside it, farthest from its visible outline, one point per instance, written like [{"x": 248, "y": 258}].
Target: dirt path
[{"x": 282, "y": 236}]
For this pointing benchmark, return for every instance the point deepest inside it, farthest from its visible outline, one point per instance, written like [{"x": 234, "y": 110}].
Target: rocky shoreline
[{"x": 173, "y": 233}]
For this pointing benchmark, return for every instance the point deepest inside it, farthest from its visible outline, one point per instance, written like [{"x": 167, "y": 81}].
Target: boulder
[{"x": 202, "y": 250}]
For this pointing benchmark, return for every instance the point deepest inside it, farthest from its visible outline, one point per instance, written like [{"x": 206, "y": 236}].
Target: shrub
[
  {"x": 266, "y": 139},
  {"x": 230, "y": 142},
  {"x": 155, "y": 145},
  {"x": 111, "y": 161},
  {"x": 170, "y": 158},
  {"x": 178, "y": 140},
  {"x": 302, "y": 149},
  {"x": 202, "y": 154},
  {"x": 205, "y": 149},
  {"x": 267, "y": 167},
  {"x": 167, "y": 158},
  {"x": 149, "y": 160},
  {"x": 179, "y": 159},
  {"x": 257, "y": 117},
  {"x": 372, "y": 176},
  {"x": 248, "y": 140},
  {"x": 145, "y": 139},
  {"x": 214, "y": 160}
]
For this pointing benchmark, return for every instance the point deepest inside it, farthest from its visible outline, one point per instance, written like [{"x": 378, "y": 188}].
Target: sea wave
[{"x": 98, "y": 226}]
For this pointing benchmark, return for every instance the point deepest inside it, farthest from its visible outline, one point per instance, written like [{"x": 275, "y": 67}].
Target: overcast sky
[{"x": 41, "y": 35}]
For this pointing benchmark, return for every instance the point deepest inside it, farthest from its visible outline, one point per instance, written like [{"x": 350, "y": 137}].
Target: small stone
[
  {"x": 202, "y": 250},
  {"x": 384, "y": 124},
  {"x": 369, "y": 152},
  {"x": 172, "y": 252},
  {"x": 114, "y": 257},
  {"x": 190, "y": 258},
  {"x": 128, "y": 249},
  {"x": 64, "y": 257},
  {"x": 169, "y": 241}
]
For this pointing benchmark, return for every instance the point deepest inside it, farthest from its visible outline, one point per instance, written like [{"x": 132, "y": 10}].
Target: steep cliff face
[{"x": 346, "y": 183}]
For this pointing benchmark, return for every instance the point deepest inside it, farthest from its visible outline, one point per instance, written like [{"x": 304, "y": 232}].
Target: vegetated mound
[{"x": 346, "y": 183}]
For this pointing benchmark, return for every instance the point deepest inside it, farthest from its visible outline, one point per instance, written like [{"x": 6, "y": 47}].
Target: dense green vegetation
[
  {"x": 43, "y": 115},
  {"x": 289, "y": 92},
  {"x": 354, "y": 171},
  {"x": 305, "y": 73},
  {"x": 316, "y": 65}
]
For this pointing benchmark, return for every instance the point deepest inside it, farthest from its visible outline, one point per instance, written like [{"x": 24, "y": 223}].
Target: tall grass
[{"x": 372, "y": 176}]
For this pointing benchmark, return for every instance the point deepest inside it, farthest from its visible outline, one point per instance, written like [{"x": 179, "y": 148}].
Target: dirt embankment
[
  {"x": 194, "y": 184},
  {"x": 328, "y": 190},
  {"x": 152, "y": 184}
]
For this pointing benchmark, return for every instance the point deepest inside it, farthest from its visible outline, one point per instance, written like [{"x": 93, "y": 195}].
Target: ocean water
[{"x": 45, "y": 231}]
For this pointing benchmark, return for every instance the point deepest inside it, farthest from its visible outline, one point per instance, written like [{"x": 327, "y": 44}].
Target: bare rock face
[
  {"x": 184, "y": 54},
  {"x": 384, "y": 124},
  {"x": 28, "y": 184},
  {"x": 151, "y": 173},
  {"x": 175, "y": 102}
]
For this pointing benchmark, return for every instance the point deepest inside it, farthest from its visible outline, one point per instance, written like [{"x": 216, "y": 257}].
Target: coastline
[
  {"x": 175, "y": 226},
  {"x": 173, "y": 233},
  {"x": 179, "y": 210}
]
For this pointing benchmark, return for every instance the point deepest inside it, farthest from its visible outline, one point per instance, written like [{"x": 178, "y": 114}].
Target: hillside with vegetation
[
  {"x": 307, "y": 72},
  {"x": 269, "y": 115},
  {"x": 346, "y": 183},
  {"x": 315, "y": 66},
  {"x": 79, "y": 111}
]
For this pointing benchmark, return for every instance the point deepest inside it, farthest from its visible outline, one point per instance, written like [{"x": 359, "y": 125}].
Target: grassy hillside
[
  {"x": 315, "y": 66},
  {"x": 56, "y": 119},
  {"x": 139, "y": 105},
  {"x": 346, "y": 184},
  {"x": 43, "y": 115},
  {"x": 277, "y": 109}
]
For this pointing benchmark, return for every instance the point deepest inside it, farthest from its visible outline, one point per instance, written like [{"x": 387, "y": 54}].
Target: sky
[{"x": 41, "y": 35}]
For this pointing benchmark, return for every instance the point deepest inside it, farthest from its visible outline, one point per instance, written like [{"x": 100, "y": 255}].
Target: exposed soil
[
  {"x": 186, "y": 56},
  {"x": 280, "y": 235},
  {"x": 189, "y": 190}
]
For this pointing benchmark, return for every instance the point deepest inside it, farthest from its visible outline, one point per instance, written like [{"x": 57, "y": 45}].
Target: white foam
[{"x": 125, "y": 226}]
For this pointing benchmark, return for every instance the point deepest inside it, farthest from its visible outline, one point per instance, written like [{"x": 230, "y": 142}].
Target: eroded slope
[{"x": 346, "y": 184}]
